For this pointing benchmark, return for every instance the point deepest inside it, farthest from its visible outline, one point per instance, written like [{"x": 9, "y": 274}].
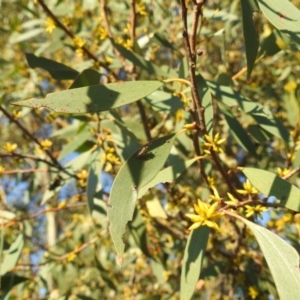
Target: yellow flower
[
  {"x": 50, "y": 25},
  {"x": 78, "y": 41},
  {"x": 257, "y": 210},
  {"x": 215, "y": 196},
  {"x": 10, "y": 147},
  {"x": 190, "y": 126},
  {"x": 17, "y": 114},
  {"x": 62, "y": 204},
  {"x": 108, "y": 60},
  {"x": 82, "y": 175},
  {"x": 206, "y": 215},
  {"x": 127, "y": 44},
  {"x": 213, "y": 143},
  {"x": 232, "y": 201},
  {"x": 127, "y": 28},
  {"x": 252, "y": 292},
  {"x": 141, "y": 9},
  {"x": 248, "y": 189},
  {"x": 283, "y": 172},
  {"x": 2, "y": 169},
  {"x": 290, "y": 86},
  {"x": 46, "y": 144},
  {"x": 211, "y": 181},
  {"x": 71, "y": 256}
]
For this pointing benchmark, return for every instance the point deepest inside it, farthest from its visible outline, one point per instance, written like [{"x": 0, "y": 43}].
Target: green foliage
[{"x": 129, "y": 122}]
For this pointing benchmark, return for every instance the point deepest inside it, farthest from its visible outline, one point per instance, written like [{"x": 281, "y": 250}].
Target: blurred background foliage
[{"x": 57, "y": 249}]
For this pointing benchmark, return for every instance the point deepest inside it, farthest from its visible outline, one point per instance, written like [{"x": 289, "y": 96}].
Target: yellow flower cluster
[
  {"x": 82, "y": 176},
  {"x": 290, "y": 86},
  {"x": 50, "y": 25},
  {"x": 206, "y": 215},
  {"x": 255, "y": 210},
  {"x": 10, "y": 148},
  {"x": 248, "y": 189},
  {"x": 46, "y": 144},
  {"x": 283, "y": 172},
  {"x": 213, "y": 143}
]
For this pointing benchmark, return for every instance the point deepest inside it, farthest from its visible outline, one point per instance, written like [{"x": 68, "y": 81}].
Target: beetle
[{"x": 143, "y": 152}]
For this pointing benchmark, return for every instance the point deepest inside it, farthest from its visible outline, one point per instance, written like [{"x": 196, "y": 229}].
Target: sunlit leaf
[
  {"x": 271, "y": 184},
  {"x": 141, "y": 62},
  {"x": 169, "y": 174},
  {"x": 134, "y": 174},
  {"x": 11, "y": 255},
  {"x": 94, "y": 98},
  {"x": 87, "y": 77},
  {"x": 283, "y": 15},
  {"x": 282, "y": 259},
  {"x": 262, "y": 115}
]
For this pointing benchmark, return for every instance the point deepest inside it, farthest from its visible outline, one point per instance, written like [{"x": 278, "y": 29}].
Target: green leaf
[
  {"x": 11, "y": 255},
  {"x": 57, "y": 70},
  {"x": 21, "y": 37},
  {"x": 169, "y": 174},
  {"x": 78, "y": 140},
  {"x": 161, "y": 40},
  {"x": 164, "y": 102},
  {"x": 86, "y": 78},
  {"x": 262, "y": 115},
  {"x": 8, "y": 281},
  {"x": 94, "y": 98},
  {"x": 192, "y": 261},
  {"x": 237, "y": 130},
  {"x": 271, "y": 184},
  {"x": 134, "y": 174},
  {"x": 258, "y": 133},
  {"x": 93, "y": 183},
  {"x": 282, "y": 259},
  {"x": 205, "y": 96},
  {"x": 283, "y": 15},
  {"x": 139, "y": 233},
  {"x": 250, "y": 35},
  {"x": 141, "y": 62}
]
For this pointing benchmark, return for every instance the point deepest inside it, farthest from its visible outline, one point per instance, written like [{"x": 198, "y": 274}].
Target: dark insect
[{"x": 143, "y": 152}]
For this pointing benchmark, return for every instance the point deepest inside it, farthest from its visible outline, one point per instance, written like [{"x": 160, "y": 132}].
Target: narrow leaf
[
  {"x": 93, "y": 179},
  {"x": 238, "y": 131},
  {"x": 57, "y": 70},
  {"x": 134, "y": 174},
  {"x": 250, "y": 35},
  {"x": 271, "y": 184},
  {"x": 86, "y": 78},
  {"x": 141, "y": 62},
  {"x": 94, "y": 98},
  {"x": 205, "y": 96},
  {"x": 192, "y": 261},
  {"x": 282, "y": 259},
  {"x": 11, "y": 255},
  {"x": 262, "y": 115},
  {"x": 164, "y": 102}
]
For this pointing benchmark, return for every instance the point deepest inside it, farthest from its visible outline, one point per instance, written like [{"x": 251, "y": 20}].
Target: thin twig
[
  {"x": 19, "y": 171},
  {"x": 31, "y": 136},
  {"x": 72, "y": 36},
  {"x": 44, "y": 211}
]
